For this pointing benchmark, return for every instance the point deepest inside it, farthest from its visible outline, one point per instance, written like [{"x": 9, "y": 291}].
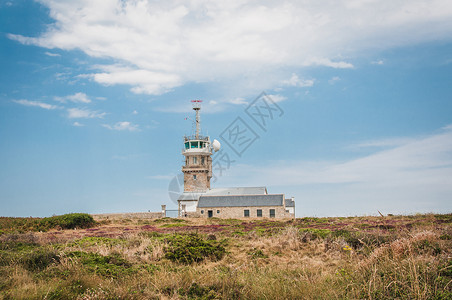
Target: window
[
  {"x": 194, "y": 177},
  {"x": 195, "y": 159},
  {"x": 272, "y": 213},
  {"x": 218, "y": 211},
  {"x": 202, "y": 160},
  {"x": 259, "y": 212},
  {"x": 187, "y": 145},
  {"x": 246, "y": 212},
  {"x": 202, "y": 212}
]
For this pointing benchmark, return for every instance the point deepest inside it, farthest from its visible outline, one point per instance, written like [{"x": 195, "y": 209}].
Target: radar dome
[{"x": 216, "y": 145}]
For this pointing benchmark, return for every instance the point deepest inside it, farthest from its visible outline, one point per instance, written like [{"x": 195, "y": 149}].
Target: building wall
[
  {"x": 201, "y": 183},
  {"x": 238, "y": 212},
  {"x": 119, "y": 216},
  {"x": 190, "y": 205},
  {"x": 203, "y": 172}
]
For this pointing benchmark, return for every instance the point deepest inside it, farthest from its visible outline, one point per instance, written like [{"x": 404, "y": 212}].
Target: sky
[{"x": 344, "y": 105}]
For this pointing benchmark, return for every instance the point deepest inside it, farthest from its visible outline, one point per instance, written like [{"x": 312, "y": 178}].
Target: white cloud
[
  {"x": 412, "y": 173},
  {"x": 238, "y": 100},
  {"x": 134, "y": 112},
  {"x": 334, "y": 80},
  {"x": 76, "y": 98},
  {"x": 77, "y": 124},
  {"x": 377, "y": 62},
  {"x": 75, "y": 113},
  {"x": 383, "y": 143},
  {"x": 51, "y": 54},
  {"x": 408, "y": 161},
  {"x": 36, "y": 104},
  {"x": 160, "y": 46},
  {"x": 326, "y": 62},
  {"x": 121, "y": 126},
  {"x": 295, "y": 81},
  {"x": 277, "y": 97},
  {"x": 144, "y": 81}
]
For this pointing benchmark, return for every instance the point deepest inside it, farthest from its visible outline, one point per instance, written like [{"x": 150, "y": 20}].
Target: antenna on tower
[{"x": 197, "y": 108}]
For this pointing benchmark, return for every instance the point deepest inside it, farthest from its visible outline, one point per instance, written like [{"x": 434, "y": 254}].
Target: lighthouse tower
[{"x": 198, "y": 161}]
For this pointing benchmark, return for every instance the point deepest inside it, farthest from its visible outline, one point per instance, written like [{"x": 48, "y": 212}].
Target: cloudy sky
[{"x": 95, "y": 99}]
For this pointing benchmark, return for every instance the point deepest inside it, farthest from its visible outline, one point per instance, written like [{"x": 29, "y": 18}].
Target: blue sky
[{"x": 93, "y": 97}]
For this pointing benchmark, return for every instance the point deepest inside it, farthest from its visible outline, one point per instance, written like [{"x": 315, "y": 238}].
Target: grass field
[{"x": 405, "y": 257}]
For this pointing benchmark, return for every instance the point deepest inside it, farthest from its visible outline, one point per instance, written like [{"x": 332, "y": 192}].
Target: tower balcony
[
  {"x": 196, "y": 145},
  {"x": 193, "y": 151},
  {"x": 195, "y": 168}
]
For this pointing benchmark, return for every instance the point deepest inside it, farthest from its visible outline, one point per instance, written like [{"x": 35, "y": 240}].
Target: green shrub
[
  {"x": 196, "y": 291},
  {"x": 358, "y": 240},
  {"x": 191, "y": 248},
  {"x": 15, "y": 251},
  {"x": 95, "y": 240},
  {"x": 169, "y": 225},
  {"x": 40, "y": 259},
  {"x": 170, "y": 220},
  {"x": 445, "y": 237},
  {"x": 151, "y": 234},
  {"x": 109, "y": 265},
  {"x": 67, "y": 221},
  {"x": 315, "y": 233},
  {"x": 257, "y": 253}
]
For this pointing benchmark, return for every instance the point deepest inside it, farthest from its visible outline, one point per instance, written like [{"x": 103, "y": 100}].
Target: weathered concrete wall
[
  {"x": 139, "y": 215},
  {"x": 238, "y": 212}
]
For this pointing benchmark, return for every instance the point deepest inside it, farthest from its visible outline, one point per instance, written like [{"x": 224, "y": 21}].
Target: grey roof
[
  {"x": 260, "y": 190},
  {"x": 190, "y": 196},
  {"x": 290, "y": 203},
  {"x": 236, "y": 191},
  {"x": 241, "y": 201}
]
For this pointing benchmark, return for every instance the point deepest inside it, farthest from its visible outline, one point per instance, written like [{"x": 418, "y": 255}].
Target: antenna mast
[{"x": 197, "y": 108}]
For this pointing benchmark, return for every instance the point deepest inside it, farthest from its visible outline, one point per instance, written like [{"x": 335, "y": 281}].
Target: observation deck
[{"x": 196, "y": 145}]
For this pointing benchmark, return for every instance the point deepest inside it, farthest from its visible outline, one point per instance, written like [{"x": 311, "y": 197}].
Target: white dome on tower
[{"x": 216, "y": 145}]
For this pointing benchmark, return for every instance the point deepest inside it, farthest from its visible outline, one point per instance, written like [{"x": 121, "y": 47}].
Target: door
[{"x": 210, "y": 213}]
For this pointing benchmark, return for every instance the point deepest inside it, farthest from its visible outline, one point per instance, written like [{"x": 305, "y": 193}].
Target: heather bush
[{"x": 189, "y": 248}]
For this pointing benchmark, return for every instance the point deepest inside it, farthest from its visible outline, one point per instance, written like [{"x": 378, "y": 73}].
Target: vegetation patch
[
  {"x": 173, "y": 225},
  {"x": 95, "y": 241},
  {"x": 109, "y": 265},
  {"x": 40, "y": 259},
  {"x": 257, "y": 253},
  {"x": 30, "y": 255},
  {"x": 170, "y": 220},
  {"x": 311, "y": 258},
  {"x": 312, "y": 233},
  {"x": 67, "y": 221},
  {"x": 190, "y": 248},
  {"x": 196, "y": 291},
  {"x": 152, "y": 234}
]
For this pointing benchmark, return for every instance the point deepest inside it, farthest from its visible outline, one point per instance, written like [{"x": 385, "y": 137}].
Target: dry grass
[{"x": 406, "y": 257}]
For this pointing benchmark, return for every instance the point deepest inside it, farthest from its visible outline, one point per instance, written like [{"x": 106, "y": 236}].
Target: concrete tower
[{"x": 198, "y": 161}]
